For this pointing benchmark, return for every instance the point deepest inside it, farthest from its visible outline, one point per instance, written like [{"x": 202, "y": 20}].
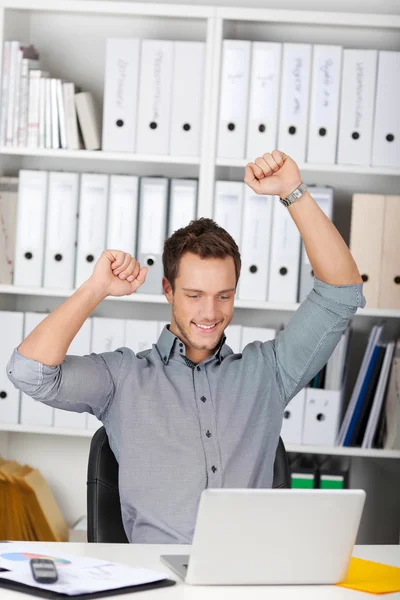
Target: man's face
[{"x": 202, "y": 304}]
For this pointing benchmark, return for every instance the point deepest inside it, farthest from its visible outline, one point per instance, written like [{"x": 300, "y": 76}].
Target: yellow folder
[{"x": 375, "y": 578}]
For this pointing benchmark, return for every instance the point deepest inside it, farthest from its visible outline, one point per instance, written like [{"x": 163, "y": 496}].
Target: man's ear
[{"x": 167, "y": 289}]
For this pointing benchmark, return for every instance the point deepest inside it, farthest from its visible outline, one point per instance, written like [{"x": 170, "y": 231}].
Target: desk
[{"x": 147, "y": 555}]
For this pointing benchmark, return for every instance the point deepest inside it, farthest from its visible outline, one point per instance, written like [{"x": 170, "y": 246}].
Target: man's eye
[
  {"x": 195, "y": 296},
  {"x": 224, "y": 297}
]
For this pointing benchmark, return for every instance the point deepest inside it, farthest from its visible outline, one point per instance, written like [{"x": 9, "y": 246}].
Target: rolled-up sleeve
[
  {"x": 79, "y": 383},
  {"x": 301, "y": 349}
]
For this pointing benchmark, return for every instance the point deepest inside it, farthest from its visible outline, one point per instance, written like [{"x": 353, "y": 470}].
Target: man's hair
[{"x": 202, "y": 237}]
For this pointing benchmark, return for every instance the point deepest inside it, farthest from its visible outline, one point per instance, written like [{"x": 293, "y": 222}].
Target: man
[{"x": 188, "y": 413}]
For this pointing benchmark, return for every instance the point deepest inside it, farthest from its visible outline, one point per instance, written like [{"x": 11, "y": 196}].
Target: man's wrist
[{"x": 289, "y": 188}]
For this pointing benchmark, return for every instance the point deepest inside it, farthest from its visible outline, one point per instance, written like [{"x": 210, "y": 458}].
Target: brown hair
[{"x": 202, "y": 237}]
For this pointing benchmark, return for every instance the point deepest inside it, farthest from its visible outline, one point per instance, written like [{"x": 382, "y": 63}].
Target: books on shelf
[
  {"x": 375, "y": 397},
  {"x": 371, "y": 419},
  {"x": 38, "y": 110}
]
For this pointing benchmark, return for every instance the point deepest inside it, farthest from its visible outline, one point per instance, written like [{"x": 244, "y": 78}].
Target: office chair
[{"x": 103, "y": 503}]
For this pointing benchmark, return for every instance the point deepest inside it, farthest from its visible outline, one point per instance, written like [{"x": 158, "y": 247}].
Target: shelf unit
[
  {"x": 160, "y": 299},
  {"x": 63, "y": 30},
  {"x": 293, "y": 448}
]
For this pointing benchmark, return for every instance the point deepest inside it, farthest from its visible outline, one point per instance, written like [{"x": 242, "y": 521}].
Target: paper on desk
[{"x": 76, "y": 574}]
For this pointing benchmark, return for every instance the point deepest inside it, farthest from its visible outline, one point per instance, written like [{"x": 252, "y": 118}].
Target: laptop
[{"x": 271, "y": 536}]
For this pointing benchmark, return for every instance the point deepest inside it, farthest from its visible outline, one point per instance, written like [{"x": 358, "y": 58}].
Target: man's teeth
[{"x": 205, "y": 326}]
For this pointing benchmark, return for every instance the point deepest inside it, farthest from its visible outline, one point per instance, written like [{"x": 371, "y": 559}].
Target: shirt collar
[{"x": 167, "y": 341}]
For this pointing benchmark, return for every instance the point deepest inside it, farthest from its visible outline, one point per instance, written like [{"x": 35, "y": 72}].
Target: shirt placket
[{"x": 208, "y": 432}]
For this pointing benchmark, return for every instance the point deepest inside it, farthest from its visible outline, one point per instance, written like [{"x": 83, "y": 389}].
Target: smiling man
[{"x": 189, "y": 413}]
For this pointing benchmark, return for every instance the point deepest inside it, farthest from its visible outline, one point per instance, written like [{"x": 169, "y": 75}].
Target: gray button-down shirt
[{"x": 177, "y": 428}]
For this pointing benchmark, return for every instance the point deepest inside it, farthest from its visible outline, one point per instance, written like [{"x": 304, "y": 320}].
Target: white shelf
[
  {"x": 308, "y": 167},
  {"x": 317, "y": 17},
  {"x": 160, "y": 299},
  {"x": 341, "y": 451},
  {"x": 100, "y": 155},
  {"x": 331, "y": 450},
  {"x": 57, "y": 293},
  {"x": 113, "y": 8}
]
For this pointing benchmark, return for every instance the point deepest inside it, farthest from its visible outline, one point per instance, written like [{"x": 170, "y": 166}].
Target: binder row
[
  {"x": 375, "y": 246},
  {"x": 372, "y": 417},
  {"x": 307, "y": 472},
  {"x": 275, "y": 265},
  {"x": 40, "y": 111},
  {"x": 65, "y": 220},
  {"x": 318, "y": 103},
  {"x": 153, "y": 96}
]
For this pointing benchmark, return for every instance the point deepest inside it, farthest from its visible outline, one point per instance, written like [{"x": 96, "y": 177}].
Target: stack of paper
[{"x": 76, "y": 575}]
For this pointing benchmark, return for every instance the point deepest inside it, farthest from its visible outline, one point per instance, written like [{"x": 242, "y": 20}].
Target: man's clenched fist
[
  {"x": 117, "y": 273},
  {"x": 273, "y": 174}
]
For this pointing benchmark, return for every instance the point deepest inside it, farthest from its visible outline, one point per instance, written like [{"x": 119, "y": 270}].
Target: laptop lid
[{"x": 274, "y": 536}]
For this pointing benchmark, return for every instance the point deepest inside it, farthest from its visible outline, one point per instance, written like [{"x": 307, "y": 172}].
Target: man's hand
[
  {"x": 273, "y": 174},
  {"x": 117, "y": 273}
]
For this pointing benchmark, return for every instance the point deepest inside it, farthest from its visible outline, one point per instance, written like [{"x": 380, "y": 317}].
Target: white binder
[
  {"x": 92, "y": 224},
  {"x": 79, "y": 346},
  {"x": 285, "y": 256},
  {"x": 140, "y": 335},
  {"x": 120, "y": 94},
  {"x": 153, "y": 207},
  {"x": 31, "y": 222},
  {"x": 187, "y": 98},
  {"x": 60, "y": 247},
  {"x": 154, "y": 104},
  {"x": 293, "y": 419},
  {"x": 324, "y": 104},
  {"x": 12, "y": 330},
  {"x": 234, "y": 95},
  {"x": 8, "y": 218},
  {"x": 34, "y": 412},
  {"x": 256, "y": 334},
  {"x": 324, "y": 198},
  {"x": 386, "y": 140},
  {"x": 107, "y": 336},
  {"x": 265, "y": 78},
  {"x": 357, "y": 107},
  {"x": 182, "y": 203},
  {"x": 234, "y": 338},
  {"x": 295, "y": 88},
  {"x": 255, "y": 246},
  {"x": 122, "y": 213},
  {"x": 321, "y": 418},
  {"x": 228, "y": 207}
]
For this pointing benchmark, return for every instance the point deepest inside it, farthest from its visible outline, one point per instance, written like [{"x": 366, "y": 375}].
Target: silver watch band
[{"x": 293, "y": 196}]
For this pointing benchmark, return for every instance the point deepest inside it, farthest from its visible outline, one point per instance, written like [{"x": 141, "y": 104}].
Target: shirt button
[
  {"x": 181, "y": 345},
  {"x": 181, "y": 350},
  {"x": 208, "y": 434},
  {"x": 203, "y": 398},
  {"x": 213, "y": 469},
  {"x": 198, "y": 368}
]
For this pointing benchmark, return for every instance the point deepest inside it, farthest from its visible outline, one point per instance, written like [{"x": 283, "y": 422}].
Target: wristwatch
[{"x": 293, "y": 196}]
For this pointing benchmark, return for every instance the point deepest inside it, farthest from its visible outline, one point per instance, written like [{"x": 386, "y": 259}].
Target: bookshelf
[{"x": 63, "y": 30}]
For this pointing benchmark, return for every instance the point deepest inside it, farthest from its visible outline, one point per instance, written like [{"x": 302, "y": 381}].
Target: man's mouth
[{"x": 206, "y": 327}]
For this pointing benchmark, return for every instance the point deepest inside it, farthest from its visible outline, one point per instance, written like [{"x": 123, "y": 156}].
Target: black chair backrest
[{"x": 103, "y": 503}]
